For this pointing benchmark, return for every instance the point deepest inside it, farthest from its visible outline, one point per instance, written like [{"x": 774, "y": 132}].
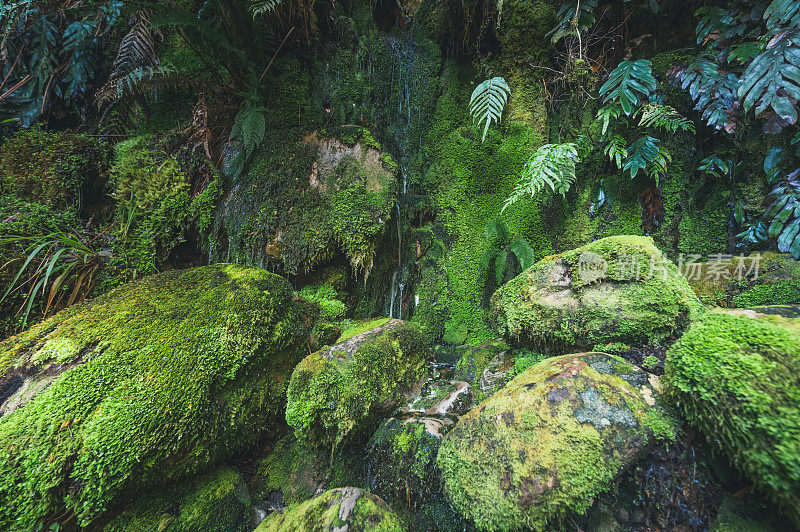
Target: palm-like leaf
[
  {"x": 783, "y": 14},
  {"x": 607, "y": 113},
  {"x": 553, "y": 166},
  {"x": 488, "y": 101},
  {"x": 713, "y": 91},
  {"x": 264, "y": 7},
  {"x": 772, "y": 80},
  {"x": 629, "y": 84},
  {"x": 781, "y": 220}
]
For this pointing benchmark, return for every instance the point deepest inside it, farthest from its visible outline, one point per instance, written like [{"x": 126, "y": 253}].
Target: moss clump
[
  {"x": 589, "y": 416},
  {"x": 776, "y": 293},
  {"x": 351, "y": 328},
  {"x": 326, "y": 298},
  {"x": 617, "y": 289},
  {"x": 341, "y": 391},
  {"x": 342, "y": 508},
  {"x": 737, "y": 377},
  {"x": 486, "y": 368},
  {"x": 56, "y": 169},
  {"x": 151, "y": 383},
  {"x": 215, "y": 502}
]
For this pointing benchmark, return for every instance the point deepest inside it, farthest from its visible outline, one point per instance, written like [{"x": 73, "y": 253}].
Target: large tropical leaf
[
  {"x": 553, "y": 166},
  {"x": 629, "y": 84},
  {"x": 783, "y": 14},
  {"x": 488, "y": 101},
  {"x": 713, "y": 90},
  {"x": 772, "y": 80}
]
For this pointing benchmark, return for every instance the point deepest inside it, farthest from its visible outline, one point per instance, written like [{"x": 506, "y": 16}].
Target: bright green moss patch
[
  {"x": 590, "y": 417},
  {"x": 215, "y": 502},
  {"x": 775, "y": 293},
  {"x": 617, "y": 289},
  {"x": 353, "y": 328},
  {"x": 341, "y": 391},
  {"x": 153, "y": 382},
  {"x": 737, "y": 377},
  {"x": 351, "y": 508}
]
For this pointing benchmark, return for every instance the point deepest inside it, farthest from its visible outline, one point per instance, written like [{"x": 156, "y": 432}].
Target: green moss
[
  {"x": 776, "y": 293},
  {"x": 215, "y": 502},
  {"x": 583, "y": 411},
  {"x": 634, "y": 295},
  {"x": 352, "y": 508},
  {"x": 352, "y": 328},
  {"x": 325, "y": 296},
  {"x": 59, "y": 170},
  {"x": 735, "y": 376},
  {"x": 340, "y": 391},
  {"x": 524, "y": 25},
  {"x": 151, "y": 383}
]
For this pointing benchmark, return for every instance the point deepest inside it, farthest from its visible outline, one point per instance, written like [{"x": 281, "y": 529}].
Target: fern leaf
[
  {"x": 629, "y": 83},
  {"x": 645, "y": 155},
  {"x": 783, "y": 14},
  {"x": 523, "y": 251},
  {"x": 488, "y": 101},
  {"x": 616, "y": 150},
  {"x": 772, "y": 80},
  {"x": 553, "y": 166},
  {"x": 573, "y": 18},
  {"x": 250, "y": 127},
  {"x": 713, "y": 22},
  {"x": 608, "y": 113},
  {"x": 264, "y": 7},
  {"x": 713, "y": 91},
  {"x": 663, "y": 116}
]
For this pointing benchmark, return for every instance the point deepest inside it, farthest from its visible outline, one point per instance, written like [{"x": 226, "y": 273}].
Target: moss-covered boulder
[
  {"x": 153, "y": 382},
  {"x": 59, "y": 170},
  {"x": 485, "y": 367},
  {"x": 351, "y": 509},
  {"x": 440, "y": 397},
  {"x": 617, "y": 289},
  {"x": 736, "y": 376},
  {"x": 344, "y": 390},
  {"x": 308, "y": 200},
  {"x": 214, "y": 502},
  {"x": 550, "y": 441},
  {"x": 402, "y": 470}
]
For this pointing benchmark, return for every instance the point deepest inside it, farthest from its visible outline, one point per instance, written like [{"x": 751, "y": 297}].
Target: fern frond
[
  {"x": 488, "y": 101},
  {"x": 646, "y": 155},
  {"x": 715, "y": 166},
  {"x": 713, "y": 91},
  {"x": 783, "y": 14},
  {"x": 250, "y": 127},
  {"x": 629, "y": 83},
  {"x": 608, "y": 113},
  {"x": 264, "y": 7},
  {"x": 616, "y": 150},
  {"x": 772, "y": 80},
  {"x": 553, "y": 166},
  {"x": 663, "y": 116},
  {"x": 523, "y": 251},
  {"x": 573, "y": 18}
]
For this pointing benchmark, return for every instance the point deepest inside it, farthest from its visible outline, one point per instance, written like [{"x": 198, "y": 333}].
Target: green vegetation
[{"x": 734, "y": 376}]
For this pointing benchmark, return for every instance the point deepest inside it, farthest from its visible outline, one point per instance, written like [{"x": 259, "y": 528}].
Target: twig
[{"x": 275, "y": 54}]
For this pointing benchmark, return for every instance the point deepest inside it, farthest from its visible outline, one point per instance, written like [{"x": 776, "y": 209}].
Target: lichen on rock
[
  {"x": 617, "y": 289},
  {"x": 158, "y": 380},
  {"x": 548, "y": 443}
]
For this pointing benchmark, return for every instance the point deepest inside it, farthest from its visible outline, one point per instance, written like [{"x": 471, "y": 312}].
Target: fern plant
[
  {"x": 629, "y": 84},
  {"x": 502, "y": 245},
  {"x": 573, "y": 19},
  {"x": 607, "y": 113},
  {"x": 488, "y": 101},
  {"x": 782, "y": 14},
  {"x": 659, "y": 116},
  {"x": 264, "y": 7},
  {"x": 781, "y": 220},
  {"x": 616, "y": 150},
  {"x": 553, "y": 166},
  {"x": 772, "y": 80},
  {"x": 646, "y": 155}
]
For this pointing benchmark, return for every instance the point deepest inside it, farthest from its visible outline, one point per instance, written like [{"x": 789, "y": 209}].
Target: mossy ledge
[{"x": 155, "y": 381}]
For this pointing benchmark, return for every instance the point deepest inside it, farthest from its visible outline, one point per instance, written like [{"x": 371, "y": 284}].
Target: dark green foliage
[
  {"x": 645, "y": 154},
  {"x": 782, "y": 14},
  {"x": 772, "y": 80},
  {"x": 502, "y": 245},
  {"x": 574, "y": 17},
  {"x": 553, "y": 166},
  {"x": 629, "y": 84},
  {"x": 781, "y": 220},
  {"x": 736, "y": 378}
]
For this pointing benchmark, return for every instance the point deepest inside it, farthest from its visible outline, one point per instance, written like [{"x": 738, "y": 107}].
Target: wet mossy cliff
[{"x": 153, "y": 382}]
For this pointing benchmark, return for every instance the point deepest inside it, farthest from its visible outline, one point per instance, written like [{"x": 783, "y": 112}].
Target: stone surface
[{"x": 549, "y": 442}]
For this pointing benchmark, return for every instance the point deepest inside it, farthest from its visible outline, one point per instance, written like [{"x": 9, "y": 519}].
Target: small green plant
[
  {"x": 502, "y": 246},
  {"x": 629, "y": 84},
  {"x": 59, "y": 267},
  {"x": 553, "y": 166},
  {"x": 488, "y": 101}
]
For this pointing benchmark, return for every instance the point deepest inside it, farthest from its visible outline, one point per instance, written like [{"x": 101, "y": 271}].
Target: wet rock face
[
  {"x": 440, "y": 398},
  {"x": 150, "y": 384},
  {"x": 401, "y": 468},
  {"x": 486, "y": 368},
  {"x": 617, "y": 289},
  {"x": 344, "y": 509},
  {"x": 345, "y": 390},
  {"x": 550, "y": 441},
  {"x": 736, "y": 376}
]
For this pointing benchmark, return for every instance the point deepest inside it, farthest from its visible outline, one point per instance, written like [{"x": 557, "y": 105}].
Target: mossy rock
[
  {"x": 736, "y": 376},
  {"x": 747, "y": 514},
  {"x": 214, "y": 502},
  {"x": 441, "y": 397},
  {"x": 617, "y": 289},
  {"x": 351, "y": 509},
  {"x": 343, "y": 390},
  {"x": 553, "y": 439},
  {"x": 307, "y": 200},
  {"x": 401, "y": 469},
  {"x": 486, "y": 368},
  {"x": 150, "y": 383},
  {"x": 59, "y": 170}
]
